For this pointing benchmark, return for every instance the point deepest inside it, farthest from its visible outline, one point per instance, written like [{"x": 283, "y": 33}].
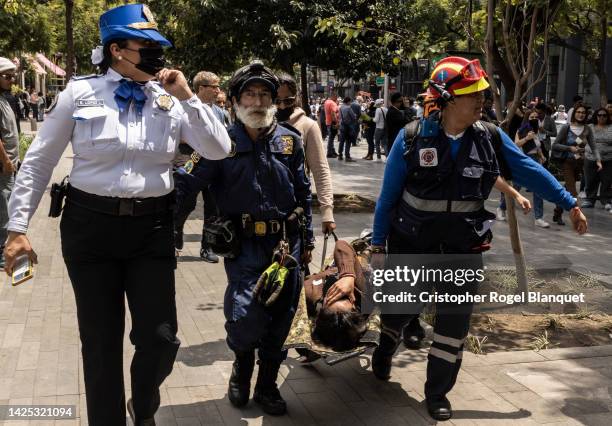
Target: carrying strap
[
  {"x": 498, "y": 143},
  {"x": 411, "y": 131}
]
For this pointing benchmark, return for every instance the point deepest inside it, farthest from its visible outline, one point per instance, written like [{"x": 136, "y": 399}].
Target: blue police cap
[{"x": 130, "y": 21}]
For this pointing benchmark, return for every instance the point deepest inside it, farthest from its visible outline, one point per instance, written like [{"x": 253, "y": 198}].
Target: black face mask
[
  {"x": 535, "y": 124},
  {"x": 284, "y": 114},
  {"x": 151, "y": 59}
]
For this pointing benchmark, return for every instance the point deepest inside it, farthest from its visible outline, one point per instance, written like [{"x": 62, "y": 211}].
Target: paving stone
[
  {"x": 28, "y": 356},
  {"x": 542, "y": 411},
  {"x": 13, "y": 335},
  {"x": 373, "y": 413},
  {"x": 327, "y": 406},
  {"x": 515, "y": 357},
  {"x": 569, "y": 353},
  {"x": 23, "y": 384}
]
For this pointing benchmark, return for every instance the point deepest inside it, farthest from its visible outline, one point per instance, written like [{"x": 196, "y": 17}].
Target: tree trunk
[
  {"x": 602, "y": 75},
  {"x": 490, "y": 48},
  {"x": 515, "y": 236},
  {"x": 69, "y": 39},
  {"x": 304, "y": 87}
]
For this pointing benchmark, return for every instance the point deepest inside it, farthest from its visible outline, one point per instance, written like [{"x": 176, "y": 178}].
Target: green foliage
[
  {"x": 399, "y": 29},
  {"x": 24, "y": 26},
  {"x": 582, "y": 18},
  {"x": 221, "y": 35},
  {"x": 24, "y": 144}
]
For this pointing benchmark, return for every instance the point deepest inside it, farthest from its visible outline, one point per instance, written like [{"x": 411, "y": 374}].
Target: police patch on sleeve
[
  {"x": 428, "y": 157},
  {"x": 287, "y": 144}
]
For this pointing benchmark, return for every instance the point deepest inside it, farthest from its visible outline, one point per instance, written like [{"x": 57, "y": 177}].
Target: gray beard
[{"x": 255, "y": 121}]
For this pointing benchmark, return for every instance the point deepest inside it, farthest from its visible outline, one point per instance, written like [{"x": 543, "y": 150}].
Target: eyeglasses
[
  {"x": 8, "y": 76},
  {"x": 286, "y": 101},
  {"x": 261, "y": 95},
  {"x": 602, "y": 115}
]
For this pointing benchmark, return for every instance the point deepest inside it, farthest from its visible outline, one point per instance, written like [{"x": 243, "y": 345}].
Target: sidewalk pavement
[{"x": 40, "y": 359}]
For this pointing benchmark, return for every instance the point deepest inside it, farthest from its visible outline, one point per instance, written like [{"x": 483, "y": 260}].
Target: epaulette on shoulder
[
  {"x": 84, "y": 77},
  {"x": 289, "y": 127}
]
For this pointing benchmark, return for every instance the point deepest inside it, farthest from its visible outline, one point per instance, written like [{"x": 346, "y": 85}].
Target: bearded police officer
[
  {"x": 438, "y": 175},
  {"x": 116, "y": 228},
  {"x": 262, "y": 190}
]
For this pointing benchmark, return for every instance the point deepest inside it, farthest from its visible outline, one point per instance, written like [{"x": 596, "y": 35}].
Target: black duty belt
[
  {"x": 121, "y": 206},
  {"x": 260, "y": 228}
]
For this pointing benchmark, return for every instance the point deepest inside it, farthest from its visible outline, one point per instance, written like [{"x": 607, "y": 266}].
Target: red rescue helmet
[{"x": 456, "y": 76}]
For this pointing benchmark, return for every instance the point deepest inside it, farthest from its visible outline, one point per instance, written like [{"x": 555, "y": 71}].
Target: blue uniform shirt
[
  {"x": 525, "y": 172},
  {"x": 265, "y": 178}
]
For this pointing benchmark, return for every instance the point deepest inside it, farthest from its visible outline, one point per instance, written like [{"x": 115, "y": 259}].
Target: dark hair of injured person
[{"x": 339, "y": 330}]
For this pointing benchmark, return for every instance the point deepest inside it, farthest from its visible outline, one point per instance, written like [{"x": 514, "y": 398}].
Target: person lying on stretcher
[{"x": 333, "y": 299}]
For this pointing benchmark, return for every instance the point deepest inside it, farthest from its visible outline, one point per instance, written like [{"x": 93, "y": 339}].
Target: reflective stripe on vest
[{"x": 441, "y": 205}]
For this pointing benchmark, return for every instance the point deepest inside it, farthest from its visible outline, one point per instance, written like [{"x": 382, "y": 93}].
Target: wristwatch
[{"x": 378, "y": 249}]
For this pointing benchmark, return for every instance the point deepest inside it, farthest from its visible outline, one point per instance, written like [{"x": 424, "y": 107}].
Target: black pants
[
  {"x": 108, "y": 258},
  {"x": 452, "y": 321},
  {"x": 369, "y": 134},
  {"x": 189, "y": 201},
  {"x": 595, "y": 179},
  {"x": 348, "y": 137}
]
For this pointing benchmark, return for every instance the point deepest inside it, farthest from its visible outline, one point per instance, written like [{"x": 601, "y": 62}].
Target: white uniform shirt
[{"x": 115, "y": 154}]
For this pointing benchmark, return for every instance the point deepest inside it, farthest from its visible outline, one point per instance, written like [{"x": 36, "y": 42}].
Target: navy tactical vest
[
  {"x": 434, "y": 175},
  {"x": 442, "y": 207}
]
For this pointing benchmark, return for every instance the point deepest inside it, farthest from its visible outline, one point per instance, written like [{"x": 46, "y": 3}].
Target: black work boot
[
  {"x": 413, "y": 334},
  {"x": 439, "y": 408},
  {"x": 240, "y": 381},
  {"x": 266, "y": 393},
  {"x": 383, "y": 356}
]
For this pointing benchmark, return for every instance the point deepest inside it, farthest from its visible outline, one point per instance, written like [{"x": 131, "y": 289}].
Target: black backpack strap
[
  {"x": 411, "y": 131},
  {"x": 497, "y": 143}
]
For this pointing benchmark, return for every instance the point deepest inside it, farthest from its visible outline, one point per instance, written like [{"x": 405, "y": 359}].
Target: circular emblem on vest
[{"x": 428, "y": 157}]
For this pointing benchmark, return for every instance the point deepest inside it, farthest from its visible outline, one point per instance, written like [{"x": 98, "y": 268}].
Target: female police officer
[
  {"x": 116, "y": 228},
  {"x": 432, "y": 201}
]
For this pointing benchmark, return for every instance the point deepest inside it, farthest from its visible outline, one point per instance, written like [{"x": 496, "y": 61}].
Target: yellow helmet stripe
[{"x": 480, "y": 85}]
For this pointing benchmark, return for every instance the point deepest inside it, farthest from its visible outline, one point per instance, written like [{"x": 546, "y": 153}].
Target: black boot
[
  {"x": 266, "y": 393},
  {"x": 382, "y": 357},
  {"x": 413, "y": 334},
  {"x": 439, "y": 408},
  {"x": 557, "y": 216},
  {"x": 240, "y": 380}
]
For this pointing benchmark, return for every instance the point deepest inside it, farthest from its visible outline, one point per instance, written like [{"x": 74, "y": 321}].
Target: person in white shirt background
[
  {"x": 116, "y": 227},
  {"x": 560, "y": 116},
  {"x": 379, "y": 132}
]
